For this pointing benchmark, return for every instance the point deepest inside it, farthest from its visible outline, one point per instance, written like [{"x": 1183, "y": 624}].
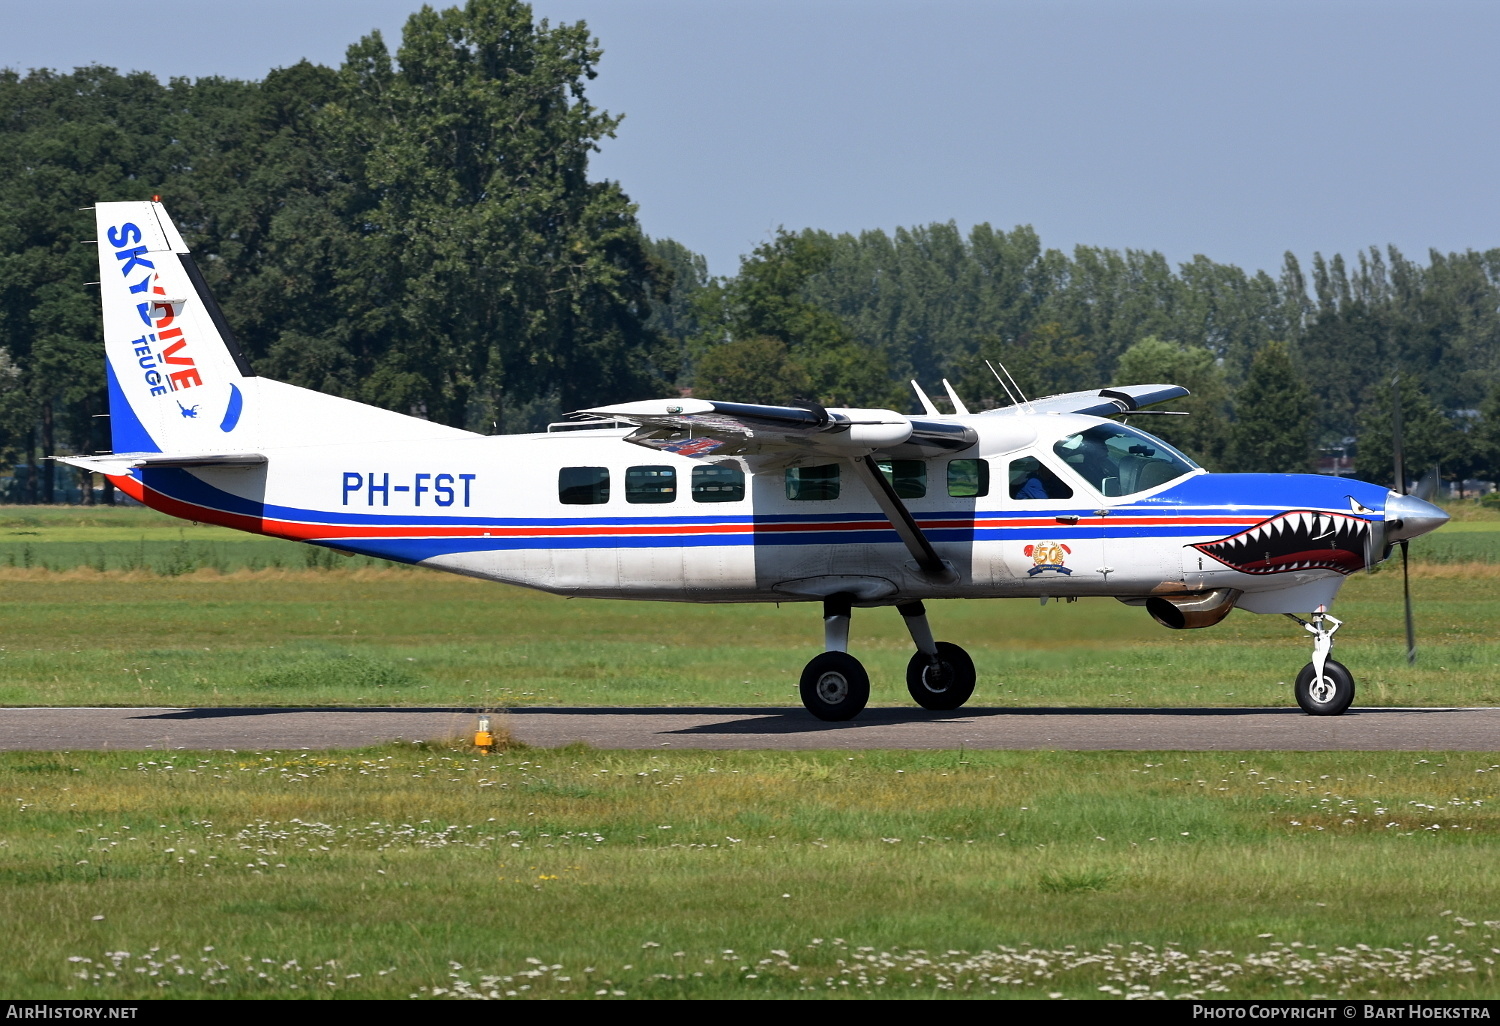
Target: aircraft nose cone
[{"x": 1407, "y": 516}]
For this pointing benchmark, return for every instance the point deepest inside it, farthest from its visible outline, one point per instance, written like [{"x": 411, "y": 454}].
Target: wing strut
[{"x": 900, "y": 517}]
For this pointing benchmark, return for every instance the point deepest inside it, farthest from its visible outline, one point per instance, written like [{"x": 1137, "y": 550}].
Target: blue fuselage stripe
[{"x": 1200, "y": 520}]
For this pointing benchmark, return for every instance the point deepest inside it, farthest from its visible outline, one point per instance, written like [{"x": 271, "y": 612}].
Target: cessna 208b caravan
[{"x": 697, "y": 500}]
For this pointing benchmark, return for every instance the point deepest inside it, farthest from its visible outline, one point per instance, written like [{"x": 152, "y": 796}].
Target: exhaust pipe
[{"x": 1201, "y": 609}]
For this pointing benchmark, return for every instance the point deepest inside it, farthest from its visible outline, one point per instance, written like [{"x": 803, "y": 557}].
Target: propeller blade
[
  {"x": 1427, "y": 487},
  {"x": 1411, "y": 630},
  {"x": 1400, "y": 458}
]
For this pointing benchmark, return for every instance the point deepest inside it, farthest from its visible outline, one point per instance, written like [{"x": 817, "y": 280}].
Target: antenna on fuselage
[
  {"x": 1011, "y": 395},
  {"x": 932, "y": 411},
  {"x": 1015, "y": 384},
  {"x": 1007, "y": 388},
  {"x": 958, "y": 404}
]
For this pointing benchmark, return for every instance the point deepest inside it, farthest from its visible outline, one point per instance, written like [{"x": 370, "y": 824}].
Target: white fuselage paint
[{"x": 764, "y": 547}]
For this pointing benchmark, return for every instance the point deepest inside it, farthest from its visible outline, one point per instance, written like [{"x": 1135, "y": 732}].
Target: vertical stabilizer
[{"x": 177, "y": 380}]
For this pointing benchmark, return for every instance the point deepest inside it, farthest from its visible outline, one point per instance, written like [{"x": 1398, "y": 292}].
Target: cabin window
[
  {"x": 583, "y": 486},
  {"x": 968, "y": 479},
  {"x": 1030, "y": 479},
  {"x": 907, "y": 477},
  {"x": 808, "y": 483},
  {"x": 650, "y": 484},
  {"x": 1120, "y": 460},
  {"x": 718, "y": 484}
]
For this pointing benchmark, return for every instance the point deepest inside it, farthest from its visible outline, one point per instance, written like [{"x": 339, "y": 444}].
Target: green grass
[
  {"x": 416, "y": 637},
  {"x": 365, "y": 874},
  {"x": 569, "y": 872},
  {"x": 1460, "y": 541},
  {"x": 133, "y": 538},
  {"x": 124, "y": 606}
]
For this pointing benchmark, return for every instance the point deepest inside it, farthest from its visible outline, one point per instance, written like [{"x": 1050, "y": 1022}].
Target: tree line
[
  {"x": 417, "y": 229},
  {"x": 1280, "y": 368}
]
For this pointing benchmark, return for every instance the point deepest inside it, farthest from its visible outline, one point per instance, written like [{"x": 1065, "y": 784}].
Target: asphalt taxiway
[{"x": 247, "y": 729}]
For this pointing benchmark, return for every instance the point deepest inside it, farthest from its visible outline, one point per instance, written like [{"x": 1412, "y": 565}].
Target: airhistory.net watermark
[{"x": 47, "y": 1010}]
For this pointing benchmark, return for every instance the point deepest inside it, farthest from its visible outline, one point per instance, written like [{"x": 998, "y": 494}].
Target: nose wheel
[
  {"x": 1325, "y": 687},
  {"x": 1325, "y": 694}
]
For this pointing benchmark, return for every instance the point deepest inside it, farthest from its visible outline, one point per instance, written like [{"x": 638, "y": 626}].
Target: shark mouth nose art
[{"x": 1299, "y": 540}]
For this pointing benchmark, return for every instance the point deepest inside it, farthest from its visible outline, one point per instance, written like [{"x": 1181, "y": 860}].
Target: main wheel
[
  {"x": 835, "y": 686},
  {"x": 1328, "y": 696},
  {"x": 946, "y": 684}
]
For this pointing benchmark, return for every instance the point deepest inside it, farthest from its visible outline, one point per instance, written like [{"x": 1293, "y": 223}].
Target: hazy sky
[{"x": 1233, "y": 129}]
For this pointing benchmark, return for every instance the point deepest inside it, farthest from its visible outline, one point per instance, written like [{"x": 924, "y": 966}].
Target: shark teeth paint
[{"x": 1298, "y": 540}]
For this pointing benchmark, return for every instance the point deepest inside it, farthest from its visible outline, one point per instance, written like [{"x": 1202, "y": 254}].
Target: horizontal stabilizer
[{"x": 119, "y": 463}]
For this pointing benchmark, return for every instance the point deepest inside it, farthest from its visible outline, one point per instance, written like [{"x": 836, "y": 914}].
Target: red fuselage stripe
[{"x": 317, "y": 532}]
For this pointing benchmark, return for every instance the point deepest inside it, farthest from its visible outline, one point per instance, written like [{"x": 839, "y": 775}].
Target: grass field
[
  {"x": 435, "y": 871},
  {"x": 366, "y": 633},
  {"x": 407, "y": 870}
]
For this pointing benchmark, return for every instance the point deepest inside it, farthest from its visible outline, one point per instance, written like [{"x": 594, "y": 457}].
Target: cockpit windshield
[{"x": 1119, "y": 460}]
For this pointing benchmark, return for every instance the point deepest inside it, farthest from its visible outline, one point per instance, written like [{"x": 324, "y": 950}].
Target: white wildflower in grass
[{"x": 1133, "y": 972}]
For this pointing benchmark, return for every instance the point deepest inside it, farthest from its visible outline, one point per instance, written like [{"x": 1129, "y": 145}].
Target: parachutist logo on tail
[
  {"x": 1048, "y": 556},
  {"x": 188, "y": 411},
  {"x": 165, "y": 358}
]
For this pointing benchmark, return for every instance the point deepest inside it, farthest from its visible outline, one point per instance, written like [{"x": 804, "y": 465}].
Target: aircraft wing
[
  {"x": 120, "y": 462},
  {"x": 1104, "y": 402},
  {"x": 705, "y": 429}
]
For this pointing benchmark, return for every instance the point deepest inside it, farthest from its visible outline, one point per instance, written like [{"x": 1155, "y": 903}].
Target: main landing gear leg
[
  {"x": 1324, "y": 687},
  {"x": 940, "y": 676},
  {"x": 834, "y": 685}
]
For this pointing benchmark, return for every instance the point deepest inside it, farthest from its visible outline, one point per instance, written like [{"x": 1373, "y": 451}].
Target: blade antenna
[
  {"x": 1013, "y": 400},
  {"x": 932, "y": 411},
  {"x": 958, "y": 404},
  {"x": 1399, "y": 458}
]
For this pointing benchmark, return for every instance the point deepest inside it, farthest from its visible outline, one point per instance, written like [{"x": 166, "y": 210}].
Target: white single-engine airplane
[{"x": 692, "y": 500}]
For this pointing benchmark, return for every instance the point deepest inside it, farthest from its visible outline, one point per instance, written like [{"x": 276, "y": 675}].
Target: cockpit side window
[
  {"x": 1030, "y": 479},
  {"x": 1119, "y": 460}
]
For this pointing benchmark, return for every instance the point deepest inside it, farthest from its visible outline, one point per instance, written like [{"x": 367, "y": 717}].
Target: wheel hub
[
  {"x": 1322, "y": 690},
  {"x": 833, "y": 687},
  {"x": 937, "y": 677}
]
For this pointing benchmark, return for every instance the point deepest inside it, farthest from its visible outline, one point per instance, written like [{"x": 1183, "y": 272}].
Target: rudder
[{"x": 177, "y": 377}]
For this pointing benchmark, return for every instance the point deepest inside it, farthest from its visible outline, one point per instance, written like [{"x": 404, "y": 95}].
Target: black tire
[
  {"x": 1333, "y": 697},
  {"x": 835, "y": 686},
  {"x": 946, "y": 685}
]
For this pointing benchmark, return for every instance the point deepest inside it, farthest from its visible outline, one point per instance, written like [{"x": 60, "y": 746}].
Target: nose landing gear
[{"x": 1325, "y": 687}]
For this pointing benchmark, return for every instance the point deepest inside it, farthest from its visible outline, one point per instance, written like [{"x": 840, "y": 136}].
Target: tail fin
[
  {"x": 178, "y": 382},
  {"x": 176, "y": 375}
]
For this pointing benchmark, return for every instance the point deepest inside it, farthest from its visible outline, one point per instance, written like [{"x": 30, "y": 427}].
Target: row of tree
[
  {"x": 1280, "y": 369},
  {"x": 419, "y": 231}
]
